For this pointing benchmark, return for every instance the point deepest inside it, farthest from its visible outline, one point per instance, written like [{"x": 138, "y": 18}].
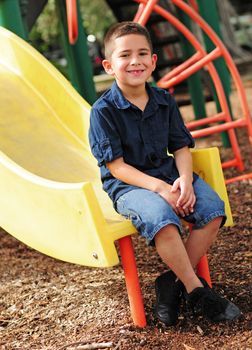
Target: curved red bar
[
  {"x": 194, "y": 5},
  {"x": 199, "y": 60}
]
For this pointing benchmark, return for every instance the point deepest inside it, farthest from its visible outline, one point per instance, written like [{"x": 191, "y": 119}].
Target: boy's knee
[
  {"x": 168, "y": 232},
  {"x": 216, "y": 223}
]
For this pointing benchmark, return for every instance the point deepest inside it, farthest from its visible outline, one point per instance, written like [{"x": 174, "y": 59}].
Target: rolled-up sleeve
[
  {"x": 179, "y": 135},
  {"x": 104, "y": 139}
]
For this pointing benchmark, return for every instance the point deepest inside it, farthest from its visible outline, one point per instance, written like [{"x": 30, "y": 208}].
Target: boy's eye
[
  {"x": 143, "y": 53},
  {"x": 124, "y": 55}
]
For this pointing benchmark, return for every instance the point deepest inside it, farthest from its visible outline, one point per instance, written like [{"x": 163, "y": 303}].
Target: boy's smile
[
  {"x": 135, "y": 72},
  {"x": 131, "y": 61}
]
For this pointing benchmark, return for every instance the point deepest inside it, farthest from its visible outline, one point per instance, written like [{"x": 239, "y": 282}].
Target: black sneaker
[
  {"x": 168, "y": 293},
  {"x": 209, "y": 304}
]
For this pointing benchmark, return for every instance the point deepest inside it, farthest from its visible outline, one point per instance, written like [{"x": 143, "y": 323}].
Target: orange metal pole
[
  {"x": 72, "y": 21},
  {"x": 229, "y": 163},
  {"x": 239, "y": 178},
  {"x": 192, "y": 69},
  {"x": 181, "y": 67},
  {"x": 146, "y": 12},
  {"x": 203, "y": 270},
  {"x": 132, "y": 281},
  {"x": 218, "y": 128},
  {"x": 196, "y": 123},
  {"x": 194, "y": 5},
  {"x": 139, "y": 12}
]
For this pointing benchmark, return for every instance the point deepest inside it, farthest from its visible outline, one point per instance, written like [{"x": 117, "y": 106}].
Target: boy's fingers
[
  {"x": 176, "y": 209},
  {"x": 185, "y": 211},
  {"x": 181, "y": 212},
  {"x": 183, "y": 198},
  {"x": 175, "y": 186},
  {"x": 189, "y": 203}
]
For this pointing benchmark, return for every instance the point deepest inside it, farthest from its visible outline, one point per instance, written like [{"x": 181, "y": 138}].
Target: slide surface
[{"x": 45, "y": 163}]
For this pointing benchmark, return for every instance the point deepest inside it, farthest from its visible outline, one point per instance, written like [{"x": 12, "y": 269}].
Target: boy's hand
[
  {"x": 172, "y": 197},
  {"x": 187, "y": 198}
]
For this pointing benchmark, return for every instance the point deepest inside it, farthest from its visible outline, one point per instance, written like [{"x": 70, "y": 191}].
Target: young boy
[{"x": 132, "y": 128}]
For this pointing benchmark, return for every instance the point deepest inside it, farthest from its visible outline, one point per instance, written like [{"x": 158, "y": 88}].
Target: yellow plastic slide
[{"x": 49, "y": 181}]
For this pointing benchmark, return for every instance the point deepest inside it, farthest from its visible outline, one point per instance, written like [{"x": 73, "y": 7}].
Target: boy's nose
[{"x": 134, "y": 60}]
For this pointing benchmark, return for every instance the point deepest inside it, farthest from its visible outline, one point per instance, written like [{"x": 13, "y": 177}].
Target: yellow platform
[{"x": 50, "y": 191}]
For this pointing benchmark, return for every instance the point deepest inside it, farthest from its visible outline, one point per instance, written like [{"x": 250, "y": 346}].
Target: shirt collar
[
  {"x": 157, "y": 96},
  {"x": 160, "y": 96},
  {"x": 119, "y": 100}
]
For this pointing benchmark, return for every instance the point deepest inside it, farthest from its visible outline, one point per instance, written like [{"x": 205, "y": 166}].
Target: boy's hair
[{"x": 124, "y": 28}]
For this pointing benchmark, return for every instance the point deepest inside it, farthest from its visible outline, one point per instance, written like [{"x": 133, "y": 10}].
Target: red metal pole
[
  {"x": 132, "y": 281},
  {"x": 185, "y": 73},
  {"x": 139, "y": 12},
  {"x": 204, "y": 121},
  {"x": 72, "y": 21},
  {"x": 203, "y": 270},
  {"x": 177, "y": 70},
  {"x": 194, "y": 5},
  {"x": 239, "y": 178},
  {"x": 146, "y": 12}
]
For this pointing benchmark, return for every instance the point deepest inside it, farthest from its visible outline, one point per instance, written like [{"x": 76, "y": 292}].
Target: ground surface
[{"x": 48, "y": 304}]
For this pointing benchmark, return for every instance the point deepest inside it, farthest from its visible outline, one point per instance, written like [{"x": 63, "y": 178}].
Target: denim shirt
[{"x": 120, "y": 129}]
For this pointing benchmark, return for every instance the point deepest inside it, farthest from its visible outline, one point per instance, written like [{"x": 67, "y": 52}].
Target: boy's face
[{"x": 131, "y": 61}]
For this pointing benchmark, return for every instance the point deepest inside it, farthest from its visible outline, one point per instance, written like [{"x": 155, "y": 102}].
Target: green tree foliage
[
  {"x": 47, "y": 24},
  {"x": 96, "y": 15}
]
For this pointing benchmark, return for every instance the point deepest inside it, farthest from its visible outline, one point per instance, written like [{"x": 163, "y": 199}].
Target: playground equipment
[
  {"x": 197, "y": 61},
  {"x": 50, "y": 192}
]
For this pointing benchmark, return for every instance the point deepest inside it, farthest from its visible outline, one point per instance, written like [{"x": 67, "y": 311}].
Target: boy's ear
[
  {"x": 107, "y": 67},
  {"x": 154, "y": 60}
]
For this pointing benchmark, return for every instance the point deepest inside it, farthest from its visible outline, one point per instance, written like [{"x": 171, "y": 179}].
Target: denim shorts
[{"x": 149, "y": 212}]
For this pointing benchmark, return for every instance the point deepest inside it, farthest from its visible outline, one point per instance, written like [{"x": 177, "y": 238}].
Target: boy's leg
[
  {"x": 198, "y": 294},
  {"x": 199, "y": 241},
  {"x": 157, "y": 222},
  {"x": 155, "y": 219},
  {"x": 172, "y": 251},
  {"x": 208, "y": 216},
  {"x": 168, "y": 286}
]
